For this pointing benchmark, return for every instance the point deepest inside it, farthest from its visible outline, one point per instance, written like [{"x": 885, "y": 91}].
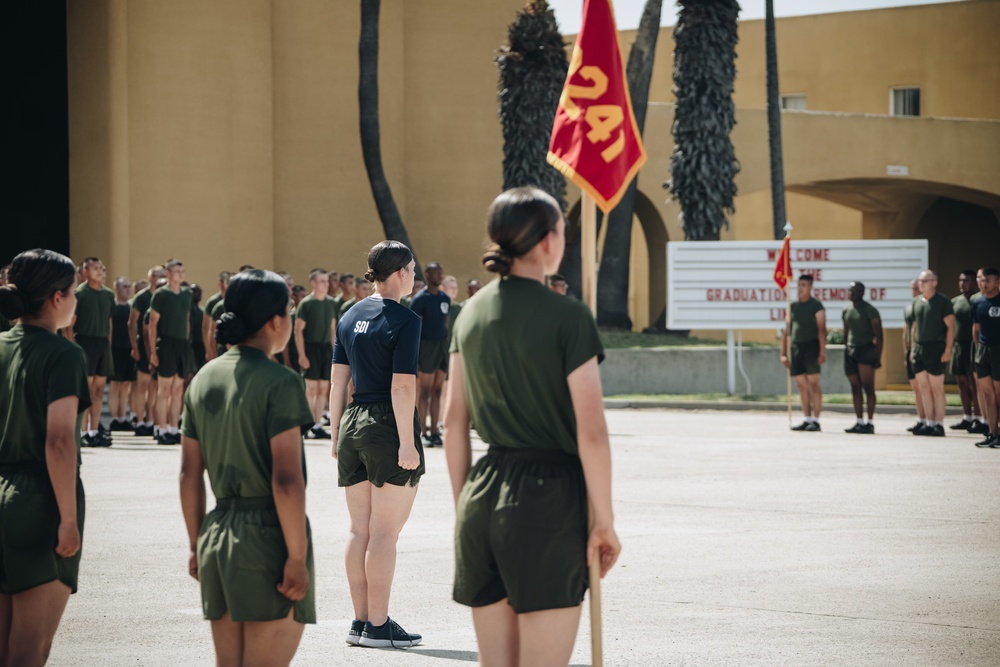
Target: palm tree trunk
[
  {"x": 774, "y": 126},
  {"x": 371, "y": 143},
  {"x": 612, "y": 282}
]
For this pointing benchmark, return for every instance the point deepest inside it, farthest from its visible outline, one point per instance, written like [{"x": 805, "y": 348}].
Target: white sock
[
  {"x": 149, "y": 423},
  {"x": 91, "y": 433},
  {"x": 318, "y": 425},
  {"x": 172, "y": 430},
  {"x": 967, "y": 418},
  {"x": 861, "y": 421}
]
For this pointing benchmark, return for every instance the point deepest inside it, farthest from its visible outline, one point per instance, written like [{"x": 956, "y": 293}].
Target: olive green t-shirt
[
  {"x": 929, "y": 318},
  {"x": 804, "y": 326},
  {"x": 218, "y": 310},
  {"x": 318, "y": 316},
  {"x": 858, "y": 322},
  {"x": 233, "y": 407},
  {"x": 119, "y": 326},
  {"x": 519, "y": 341},
  {"x": 962, "y": 308},
  {"x": 93, "y": 311},
  {"x": 197, "y": 316},
  {"x": 140, "y": 304},
  {"x": 212, "y": 300},
  {"x": 343, "y": 307},
  {"x": 174, "y": 310},
  {"x": 37, "y": 368}
]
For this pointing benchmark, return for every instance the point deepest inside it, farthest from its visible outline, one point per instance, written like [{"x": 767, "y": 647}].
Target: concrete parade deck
[{"x": 744, "y": 544}]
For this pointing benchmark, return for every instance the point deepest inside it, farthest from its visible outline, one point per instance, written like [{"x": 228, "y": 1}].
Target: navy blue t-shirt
[
  {"x": 433, "y": 310},
  {"x": 376, "y": 338},
  {"x": 986, "y": 313}
]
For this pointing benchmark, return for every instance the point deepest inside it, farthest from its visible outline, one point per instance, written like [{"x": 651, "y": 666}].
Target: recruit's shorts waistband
[
  {"x": 240, "y": 503},
  {"x": 533, "y": 454}
]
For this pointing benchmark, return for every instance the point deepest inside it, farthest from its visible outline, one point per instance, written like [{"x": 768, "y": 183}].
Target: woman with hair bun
[
  {"x": 524, "y": 370},
  {"x": 43, "y": 396},
  {"x": 376, "y": 441},
  {"x": 243, "y": 420}
]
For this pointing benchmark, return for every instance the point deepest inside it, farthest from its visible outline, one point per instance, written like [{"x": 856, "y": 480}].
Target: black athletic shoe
[
  {"x": 857, "y": 428},
  {"x": 922, "y": 429},
  {"x": 869, "y": 429},
  {"x": 101, "y": 440},
  {"x": 86, "y": 440},
  {"x": 354, "y": 634},
  {"x": 936, "y": 431},
  {"x": 979, "y": 427},
  {"x": 427, "y": 441},
  {"x": 168, "y": 438},
  {"x": 913, "y": 428},
  {"x": 804, "y": 426},
  {"x": 319, "y": 433},
  {"x": 326, "y": 422},
  {"x": 996, "y": 442},
  {"x": 436, "y": 440},
  {"x": 812, "y": 426},
  {"x": 963, "y": 425},
  {"x": 144, "y": 430},
  {"x": 388, "y": 635},
  {"x": 988, "y": 441}
]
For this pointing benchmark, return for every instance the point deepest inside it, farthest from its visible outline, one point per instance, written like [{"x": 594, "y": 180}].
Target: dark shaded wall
[
  {"x": 959, "y": 236},
  {"x": 34, "y": 205}
]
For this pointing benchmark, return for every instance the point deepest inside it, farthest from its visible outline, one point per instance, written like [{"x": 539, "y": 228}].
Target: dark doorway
[
  {"x": 959, "y": 236},
  {"x": 34, "y": 207}
]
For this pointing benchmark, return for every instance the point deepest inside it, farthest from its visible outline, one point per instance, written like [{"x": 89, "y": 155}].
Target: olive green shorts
[
  {"x": 241, "y": 561},
  {"x": 805, "y": 358},
  {"x": 521, "y": 531},
  {"x": 433, "y": 356},
  {"x": 368, "y": 447},
  {"x": 99, "y": 360},
  {"x": 962, "y": 362},
  {"x": 29, "y": 529},
  {"x": 174, "y": 357},
  {"x": 927, "y": 357}
]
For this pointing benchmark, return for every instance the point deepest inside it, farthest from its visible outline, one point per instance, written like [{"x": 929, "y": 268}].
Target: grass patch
[
  {"x": 618, "y": 339},
  {"x": 884, "y": 398}
]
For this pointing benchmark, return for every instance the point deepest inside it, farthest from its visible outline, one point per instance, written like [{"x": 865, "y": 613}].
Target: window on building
[
  {"x": 796, "y": 102},
  {"x": 904, "y": 101}
]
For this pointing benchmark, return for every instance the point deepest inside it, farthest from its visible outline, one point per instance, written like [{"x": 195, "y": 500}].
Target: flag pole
[
  {"x": 588, "y": 251},
  {"x": 788, "y": 322}
]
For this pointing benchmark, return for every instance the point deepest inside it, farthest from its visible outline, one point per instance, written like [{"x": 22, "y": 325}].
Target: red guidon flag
[
  {"x": 783, "y": 267},
  {"x": 595, "y": 141}
]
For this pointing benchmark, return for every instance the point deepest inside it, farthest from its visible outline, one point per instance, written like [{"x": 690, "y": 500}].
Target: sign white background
[{"x": 730, "y": 284}]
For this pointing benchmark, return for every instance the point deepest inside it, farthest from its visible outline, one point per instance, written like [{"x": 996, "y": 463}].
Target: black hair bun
[
  {"x": 231, "y": 330},
  {"x": 370, "y": 276},
  {"x": 12, "y": 303},
  {"x": 496, "y": 260}
]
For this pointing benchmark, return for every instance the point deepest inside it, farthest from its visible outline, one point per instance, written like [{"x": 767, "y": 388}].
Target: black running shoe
[
  {"x": 988, "y": 441},
  {"x": 996, "y": 442},
  {"x": 101, "y": 440},
  {"x": 869, "y": 428},
  {"x": 804, "y": 426},
  {"x": 86, "y": 440},
  {"x": 436, "y": 440},
  {"x": 326, "y": 422},
  {"x": 963, "y": 425},
  {"x": 144, "y": 430},
  {"x": 936, "y": 431},
  {"x": 812, "y": 426},
  {"x": 427, "y": 441},
  {"x": 319, "y": 433},
  {"x": 979, "y": 427},
  {"x": 857, "y": 428},
  {"x": 916, "y": 426},
  {"x": 921, "y": 429},
  {"x": 388, "y": 635},
  {"x": 354, "y": 634},
  {"x": 168, "y": 439}
]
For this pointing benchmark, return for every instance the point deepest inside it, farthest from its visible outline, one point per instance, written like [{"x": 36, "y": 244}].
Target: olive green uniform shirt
[
  {"x": 212, "y": 300},
  {"x": 233, "y": 407},
  {"x": 140, "y": 304},
  {"x": 119, "y": 328},
  {"x": 318, "y": 316},
  {"x": 858, "y": 322},
  {"x": 37, "y": 368},
  {"x": 94, "y": 308},
  {"x": 174, "y": 310},
  {"x": 962, "y": 308},
  {"x": 929, "y": 318},
  {"x": 519, "y": 341},
  {"x": 804, "y": 326},
  {"x": 197, "y": 317}
]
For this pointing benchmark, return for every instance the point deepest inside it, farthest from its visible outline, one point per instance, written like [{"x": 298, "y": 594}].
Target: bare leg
[
  {"x": 988, "y": 388},
  {"x": 925, "y": 394},
  {"x": 435, "y": 402},
  {"x": 271, "y": 643},
  {"x": 815, "y": 394},
  {"x": 867, "y": 377},
  {"x": 115, "y": 399},
  {"x": 996, "y": 407},
  {"x": 315, "y": 399},
  {"x": 359, "y": 506},
  {"x": 803, "y": 385},
  {"x": 855, "y": 381},
  {"x": 496, "y": 634},
  {"x": 152, "y": 391},
  {"x": 176, "y": 399},
  {"x": 96, "y": 383},
  {"x": 918, "y": 399},
  {"x": 227, "y": 636},
  {"x": 390, "y": 509},
  {"x": 937, "y": 392},
  {"x": 34, "y": 618},
  {"x": 322, "y": 399},
  {"x": 547, "y": 637},
  {"x": 424, "y": 401},
  {"x": 139, "y": 389},
  {"x": 966, "y": 392}
]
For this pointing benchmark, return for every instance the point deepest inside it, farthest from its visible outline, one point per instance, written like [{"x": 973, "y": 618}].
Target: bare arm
[
  {"x": 67, "y": 332},
  {"x": 949, "y": 340},
  {"x": 60, "y": 459},
  {"x": 289, "y": 487},
  {"x": 913, "y": 338},
  {"x": 192, "y": 487},
  {"x": 404, "y": 402},
  {"x": 457, "y": 443},
  {"x": 879, "y": 337},
  {"x": 784, "y": 341},
  {"x": 821, "y": 328},
  {"x": 133, "y": 328},
  {"x": 595, "y": 455},
  {"x": 340, "y": 375},
  {"x": 300, "y": 326},
  {"x": 154, "y": 320},
  {"x": 208, "y": 335}
]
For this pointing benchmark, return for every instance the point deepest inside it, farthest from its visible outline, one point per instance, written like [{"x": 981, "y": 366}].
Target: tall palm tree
[
  {"x": 532, "y": 69},
  {"x": 612, "y": 282},
  {"x": 703, "y": 164},
  {"x": 774, "y": 126},
  {"x": 371, "y": 142}
]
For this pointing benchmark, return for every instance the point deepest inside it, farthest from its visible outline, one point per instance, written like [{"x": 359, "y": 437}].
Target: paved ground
[{"x": 744, "y": 544}]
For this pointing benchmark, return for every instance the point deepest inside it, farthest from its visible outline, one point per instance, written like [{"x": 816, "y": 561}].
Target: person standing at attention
[{"x": 807, "y": 353}]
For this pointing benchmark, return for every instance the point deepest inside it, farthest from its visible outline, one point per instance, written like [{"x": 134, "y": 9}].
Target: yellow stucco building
[{"x": 225, "y": 132}]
